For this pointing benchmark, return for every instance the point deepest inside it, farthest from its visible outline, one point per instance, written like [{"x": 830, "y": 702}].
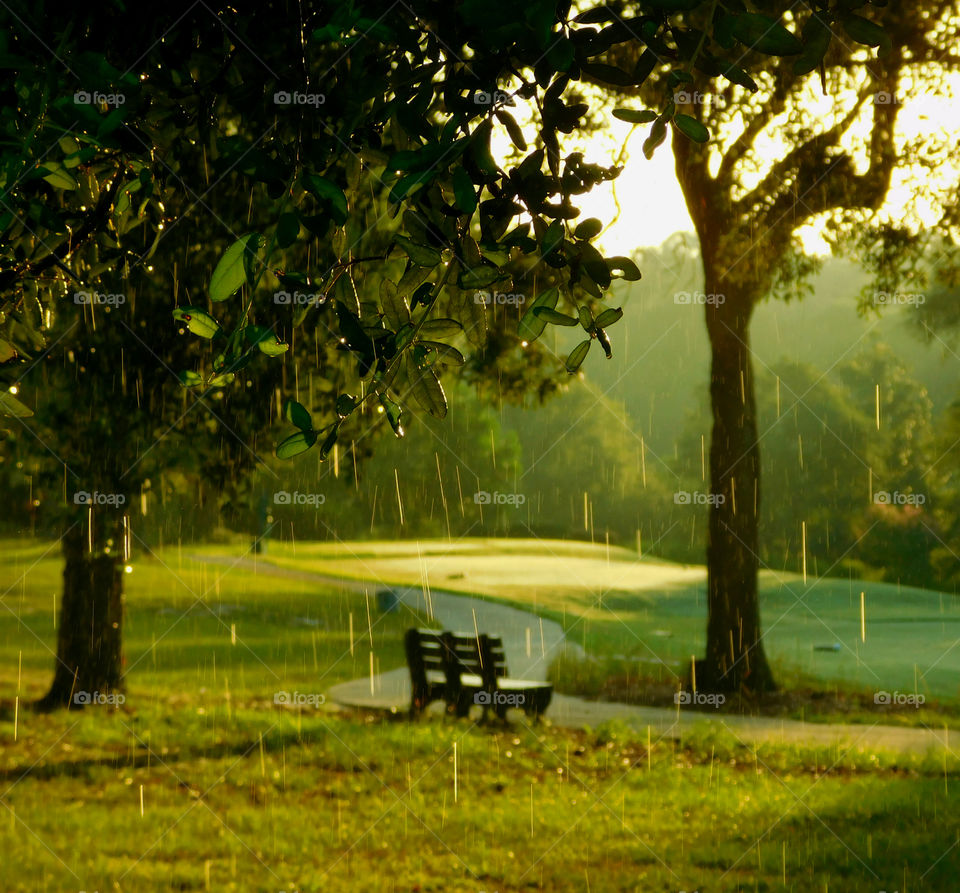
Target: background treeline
[{"x": 613, "y": 460}]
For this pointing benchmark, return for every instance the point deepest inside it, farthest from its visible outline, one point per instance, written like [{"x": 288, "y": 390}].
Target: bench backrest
[
  {"x": 453, "y": 653},
  {"x": 425, "y": 651},
  {"x": 483, "y": 657},
  {"x": 494, "y": 655}
]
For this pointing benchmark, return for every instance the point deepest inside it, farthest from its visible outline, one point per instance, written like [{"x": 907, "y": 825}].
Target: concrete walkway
[{"x": 531, "y": 643}]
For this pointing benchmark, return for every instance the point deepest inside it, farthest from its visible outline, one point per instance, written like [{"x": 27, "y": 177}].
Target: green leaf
[
  {"x": 288, "y": 228},
  {"x": 404, "y": 336},
  {"x": 11, "y": 406},
  {"x": 328, "y": 442},
  {"x": 763, "y": 34},
  {"x": 405, "y": 184},
  {"x": 479, "y": 277},
  {"x": 479, "y": 149},
  {"x": 329, "y": 194},
  {"x": 293, "y": 281},
  {"x": 419, "y": 254},
  {"x": 513, "y": 129},
  {"x": 577, "y": 356},
  {"x": 296, "y": 444},
  {"x": 232, "y": 270},
  {"x": 394, "y": 305},
  {"x": 411, "y": 279},
  {"x": 609, "y": 317},
  {"x": 427, "y": 390},
  {"x": 531, "y": 325},
  {"x": 297, "y": 414},
  {"x": 658, "y": 133},
  {"x": 448, "y": 354},
  {"x": 551, "y": 238},
  {"x": 463, "y": 191},
  {"x": 692, "y": 128},
  {"x": 635, "y": 116},
  {"x": 864, "y": 31},
  {"x": 608, "y": 74},
  {"x": 393, "y": 413},
  {"x": 738, "y": 76},
  {"x": 190, "y": 379},
  {"x": 473, "y": 312},
  {"x": 628, "y": 269},
  {"x": 266, "y": 340},
  {"x": 552, "y": 316},
  {"x": 346, "y": 403},
  {"x": 585, "y": 317},
  {"x": 441, "y": 327},
  {"x": 422, "y": 295},
  {"x": 587, "y": 229},
  {"x": 816, "y": 36},
  {"x": 58, "y": 177},
  {"x": 222, "y": 380},
  {"x": 198, "y": 321}
]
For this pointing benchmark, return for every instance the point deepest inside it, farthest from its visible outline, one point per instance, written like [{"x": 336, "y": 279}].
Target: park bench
[{"x": 464, "y": 669}]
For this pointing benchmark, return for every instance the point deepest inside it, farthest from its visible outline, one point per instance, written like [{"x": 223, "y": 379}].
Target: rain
[{"x": 482, "y": 448}]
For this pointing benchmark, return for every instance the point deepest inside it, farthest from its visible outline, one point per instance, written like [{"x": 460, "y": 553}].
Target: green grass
[
  {"x": 241, "y": 795},
  {"x": 252, "y": 799},
  {"x": 911, "y": 634},
  {"x": 195, "y": 627}
]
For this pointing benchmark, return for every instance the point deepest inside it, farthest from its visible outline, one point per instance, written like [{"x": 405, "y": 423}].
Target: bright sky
[{"x": 651, "y": 204}]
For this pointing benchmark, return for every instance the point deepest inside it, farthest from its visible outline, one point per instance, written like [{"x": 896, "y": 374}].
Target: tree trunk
[
  {"x": 735, "y": 659},
  {"x": 88, "y": 668}
]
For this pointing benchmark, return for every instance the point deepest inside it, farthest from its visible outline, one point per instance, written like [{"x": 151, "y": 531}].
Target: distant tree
[
  {"x": 755, "y": 170},
  {"x": 859, "y": 490}
]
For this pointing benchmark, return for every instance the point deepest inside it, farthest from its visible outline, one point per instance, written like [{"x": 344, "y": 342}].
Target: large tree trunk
[
  {"x": 735, "y": 659},
  {"x": 88, "y": 668}
]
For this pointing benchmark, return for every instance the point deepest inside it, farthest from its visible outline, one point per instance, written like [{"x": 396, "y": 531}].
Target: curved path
[{"x": 531, "y": 643}]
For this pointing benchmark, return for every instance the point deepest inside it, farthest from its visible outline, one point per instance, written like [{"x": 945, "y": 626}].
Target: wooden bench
[{"x": 464, "y": 670}]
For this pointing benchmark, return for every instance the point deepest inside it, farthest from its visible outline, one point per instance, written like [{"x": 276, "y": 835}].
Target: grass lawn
[
  {"x": 196, "y": 794},
  {"x": 201, "y": 782},
  {"x": 192, "y": 627}
]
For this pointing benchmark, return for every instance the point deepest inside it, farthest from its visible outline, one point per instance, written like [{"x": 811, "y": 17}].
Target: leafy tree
[
  {"x": 748, "y": 211},
  {"x": 399, "y": 105}
]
